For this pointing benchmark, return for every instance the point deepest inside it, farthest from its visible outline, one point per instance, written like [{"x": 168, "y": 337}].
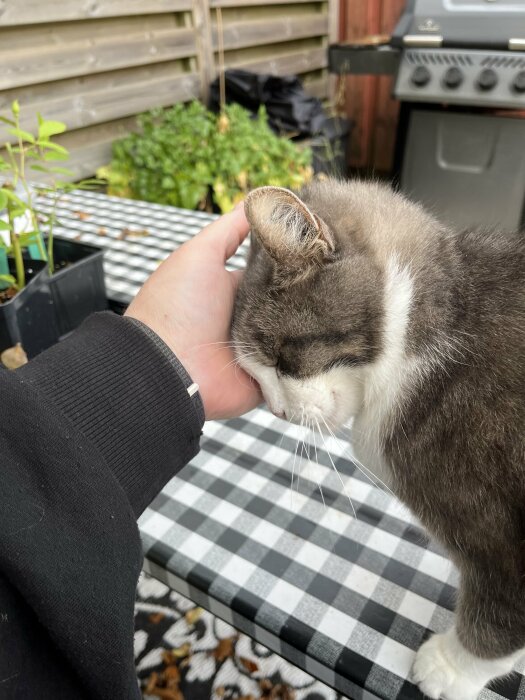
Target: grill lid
[{"x": 474, "y": 24}]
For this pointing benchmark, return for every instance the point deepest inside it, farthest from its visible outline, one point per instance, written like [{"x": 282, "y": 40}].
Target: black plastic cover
[{"x": 288, "y": 106}]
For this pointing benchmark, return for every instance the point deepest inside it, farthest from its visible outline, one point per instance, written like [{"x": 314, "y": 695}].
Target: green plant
[
  {"x": 183, "y": 153},
  {"x": 248, "y": 154},
  {"x": 168, "y": 161},
  {"x": 18, "y": 197}
]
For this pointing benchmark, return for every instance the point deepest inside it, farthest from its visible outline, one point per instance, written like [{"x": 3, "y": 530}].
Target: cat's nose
[{"x": 279, "y": 414}]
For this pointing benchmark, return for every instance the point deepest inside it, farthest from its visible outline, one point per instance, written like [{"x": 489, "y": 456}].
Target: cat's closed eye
[
  {"x": 343, "y": 361},
  {"x": 282, "y": 365}
]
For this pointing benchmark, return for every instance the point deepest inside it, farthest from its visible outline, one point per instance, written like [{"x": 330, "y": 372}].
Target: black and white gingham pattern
[
  {"x": 348, "y": 599},
  {"x": 110, "y": 222}
]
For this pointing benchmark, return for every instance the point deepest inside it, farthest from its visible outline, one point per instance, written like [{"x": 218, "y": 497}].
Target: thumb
[{"x": 227, "y": 233}]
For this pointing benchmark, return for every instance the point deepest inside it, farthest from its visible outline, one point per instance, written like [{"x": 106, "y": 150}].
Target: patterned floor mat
[{"x": 183, "y": 652}]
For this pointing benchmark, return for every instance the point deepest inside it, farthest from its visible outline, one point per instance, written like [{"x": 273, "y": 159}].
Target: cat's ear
[{"x": 294, "y": 236}]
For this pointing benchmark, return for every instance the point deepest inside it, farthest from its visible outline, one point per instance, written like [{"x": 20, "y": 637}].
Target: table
[{"x": 347, "y": 599}]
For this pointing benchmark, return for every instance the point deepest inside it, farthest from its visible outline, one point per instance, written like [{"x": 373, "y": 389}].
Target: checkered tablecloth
[{"x": 348, "y": 599}]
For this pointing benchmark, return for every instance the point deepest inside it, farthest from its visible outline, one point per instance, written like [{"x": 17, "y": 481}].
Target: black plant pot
[
  {"x": 29, "y": 317},
  {"x": 77, "y": 286}
]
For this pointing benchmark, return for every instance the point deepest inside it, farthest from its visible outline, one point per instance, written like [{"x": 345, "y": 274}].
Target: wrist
[
  {"x": 164, "y": 334},
  {"x": 170, "y": 353}
]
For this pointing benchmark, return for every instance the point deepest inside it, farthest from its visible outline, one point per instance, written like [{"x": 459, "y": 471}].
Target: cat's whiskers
[
  {"x": 300, "y": 446},
  {"x": 238, "y": 359},
  {"x": 222, "y": 342},
  {"x": 227, "y": 344},
  {"x": 241, "y": 351},
  {"x": 317, "y": 461},
  {"x": 361, "y": 466},
  {"x": 333, "y": 465},
  {"x": 307, "y": 426},
  {"x": 304, "y": 449},
  {"x": 293, "y": 465}
]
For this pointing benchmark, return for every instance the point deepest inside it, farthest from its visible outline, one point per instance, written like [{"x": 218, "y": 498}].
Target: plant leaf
[
  {"x": 40, "y": 168},
  {"x": 4, "y": 226},
  {"x": 54, "y": 156},
  {"x": 50, "y": 128},
  {"x": 5, "y": 120},
  {"x": 15, "y": 107},
  {"x": 28, "y": 238},
  {"x": 3, "y": 200},
  {"x": 20, "y": 133},
  {"x": 53, "y": 146},
  {"x": 14, "y": 198}
]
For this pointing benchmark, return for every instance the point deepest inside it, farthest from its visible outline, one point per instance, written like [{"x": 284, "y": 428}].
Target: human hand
[{"x": 188, "y": 302}]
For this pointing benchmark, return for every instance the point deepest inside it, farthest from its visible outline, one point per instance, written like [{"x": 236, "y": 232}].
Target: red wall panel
[{"x": 368, "y": 99}]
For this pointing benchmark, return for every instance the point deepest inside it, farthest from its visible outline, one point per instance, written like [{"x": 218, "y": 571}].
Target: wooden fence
[
  {"x": 369, "y": 99},
  {"x": 95, "y": 64}
]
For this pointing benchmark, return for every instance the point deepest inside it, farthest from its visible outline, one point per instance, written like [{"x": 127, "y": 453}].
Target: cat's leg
[{"x": 486, "y": 641}]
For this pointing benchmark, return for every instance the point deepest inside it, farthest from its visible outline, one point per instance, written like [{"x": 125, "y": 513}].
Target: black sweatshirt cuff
[{"x": 120, "y": 385}]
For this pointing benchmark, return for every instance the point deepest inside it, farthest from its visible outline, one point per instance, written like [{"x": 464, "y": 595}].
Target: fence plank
[
  {"x": 93, "y": 101},
  {"x": 256, "y": 3},
  {"x": 79, "y": 87},
  {"x": 288, "y": 63},
  {"x": 386, "y": 116},
  {"x": 67, "y": 59},
  {"x": 21, "y": 12},
  {"x": 318, "y": 87},
  {"x": 369, "y": 101},
  {"x": 360, "y": 89},
  {"x": 268, "y": 31}
]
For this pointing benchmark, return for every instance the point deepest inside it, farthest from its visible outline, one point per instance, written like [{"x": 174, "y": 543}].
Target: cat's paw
[{"x": 437, "y": 674}]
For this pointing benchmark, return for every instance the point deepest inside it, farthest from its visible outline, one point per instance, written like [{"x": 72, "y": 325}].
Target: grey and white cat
[{"x": 356, "y": 303}]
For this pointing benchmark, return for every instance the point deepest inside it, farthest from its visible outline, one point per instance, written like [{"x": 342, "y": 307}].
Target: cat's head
[{"x": 309, "y": 313}]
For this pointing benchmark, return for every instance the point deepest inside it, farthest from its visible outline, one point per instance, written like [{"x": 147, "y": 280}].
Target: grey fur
[{"x": 456, "y": 445}]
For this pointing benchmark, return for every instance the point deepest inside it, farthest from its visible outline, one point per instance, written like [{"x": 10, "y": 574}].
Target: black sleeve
[{"x": 90, "y": 431}]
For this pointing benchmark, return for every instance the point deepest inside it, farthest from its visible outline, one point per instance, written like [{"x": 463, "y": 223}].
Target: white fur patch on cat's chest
[
  {"x": 386, "y": 378},
  {"x": 389, "y": 378}
]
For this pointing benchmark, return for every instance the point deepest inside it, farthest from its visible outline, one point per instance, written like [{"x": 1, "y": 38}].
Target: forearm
[
  {"x": 89, "y": 433},
  {"x": 125, "y": 391}
]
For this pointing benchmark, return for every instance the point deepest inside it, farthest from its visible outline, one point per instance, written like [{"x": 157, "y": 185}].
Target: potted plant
[
  {"x": 47, "y": 285},
  {"x": 189, "y": 157}
]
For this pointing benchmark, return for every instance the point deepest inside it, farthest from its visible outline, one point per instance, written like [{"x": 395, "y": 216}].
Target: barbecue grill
[{"x": 459, "y": 69}]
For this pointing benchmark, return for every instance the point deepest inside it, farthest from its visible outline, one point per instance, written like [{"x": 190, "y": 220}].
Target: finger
[{"x": 226, "y": 234}]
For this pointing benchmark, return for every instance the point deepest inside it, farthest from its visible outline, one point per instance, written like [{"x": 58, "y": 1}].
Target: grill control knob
[
  {"x": 453, "y": 78},
  {"x": 487, "y": 79},
  {"x": 421, "y": 76},
  {"x": 518, "y": 84}
]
